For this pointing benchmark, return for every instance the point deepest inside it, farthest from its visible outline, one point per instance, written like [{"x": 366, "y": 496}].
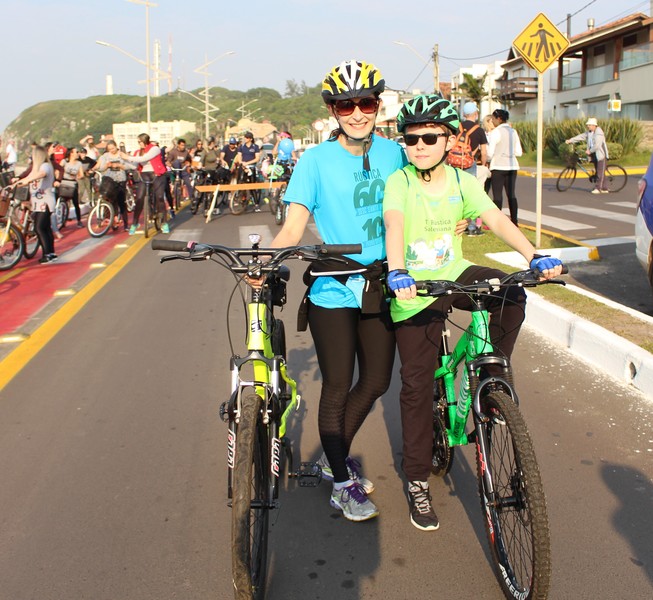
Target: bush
[
  {"x": 527, "y": 131},
  {"x": 615, "y": 151}
]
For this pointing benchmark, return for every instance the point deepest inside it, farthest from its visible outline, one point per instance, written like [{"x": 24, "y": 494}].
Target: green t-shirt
[{"x": 431, "y": 248}]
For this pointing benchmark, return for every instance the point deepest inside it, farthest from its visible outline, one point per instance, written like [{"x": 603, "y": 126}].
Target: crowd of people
[{"x": 73, "y": 167}]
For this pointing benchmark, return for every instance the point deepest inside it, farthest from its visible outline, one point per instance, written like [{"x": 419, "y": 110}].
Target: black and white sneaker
[{"x": 422, "y": 514}]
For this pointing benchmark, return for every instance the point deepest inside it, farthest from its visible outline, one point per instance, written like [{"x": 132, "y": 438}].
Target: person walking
[
  {"x": 340, "y": 184},
  {"x": 478, "y": 143},
  {"x": 504, "y": 147},
  {"x": 597, "y": 150},
  {"x": 41, "y": 186}
]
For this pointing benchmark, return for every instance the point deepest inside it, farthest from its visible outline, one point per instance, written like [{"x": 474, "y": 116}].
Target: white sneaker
[
  {"x": 353, "y": 468},
  {"x": 353, "y": 502},
  {"x": 596, "y": 191}
]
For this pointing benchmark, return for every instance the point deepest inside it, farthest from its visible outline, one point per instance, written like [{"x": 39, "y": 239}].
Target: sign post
[{"x": 540, "y": 45}]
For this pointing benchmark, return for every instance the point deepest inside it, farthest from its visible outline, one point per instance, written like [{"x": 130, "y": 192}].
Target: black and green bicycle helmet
[{"x": 428, "y": 108}]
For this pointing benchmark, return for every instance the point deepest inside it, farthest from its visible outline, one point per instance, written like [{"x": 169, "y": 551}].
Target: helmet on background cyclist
[
  {"x": 284, "y": 135},
  {"x": 428, "y": 109},
  {"x": 232, "y": 141}
]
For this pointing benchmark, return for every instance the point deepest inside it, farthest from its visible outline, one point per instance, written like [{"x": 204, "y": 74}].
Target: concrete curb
[
  {"x": 613, "y": 355},
  {"x": 553, "y": 173}
]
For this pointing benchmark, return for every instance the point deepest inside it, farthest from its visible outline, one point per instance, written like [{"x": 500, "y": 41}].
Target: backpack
[{"x": 461, "y": 155}]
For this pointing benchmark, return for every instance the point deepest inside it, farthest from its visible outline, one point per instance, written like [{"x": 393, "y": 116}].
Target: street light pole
[
  {"x": 147, "y": 5},
  {"x": 435, "y": 57}
]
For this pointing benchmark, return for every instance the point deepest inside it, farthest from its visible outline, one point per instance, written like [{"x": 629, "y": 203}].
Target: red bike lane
[{"x": 30, "y": 286}]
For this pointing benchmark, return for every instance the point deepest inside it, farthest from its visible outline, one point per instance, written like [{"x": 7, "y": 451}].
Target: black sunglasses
[
  {"x": 346, "y": 107},
  {"x": 429, "y": 139}
]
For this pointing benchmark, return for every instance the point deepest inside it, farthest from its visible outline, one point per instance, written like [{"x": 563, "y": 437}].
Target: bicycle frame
[
  {"x": 268, "y": 371},
  {"x": 475, "y": 350}
]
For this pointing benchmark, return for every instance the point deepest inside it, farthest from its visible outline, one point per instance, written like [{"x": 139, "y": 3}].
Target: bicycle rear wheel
[
  {"x": 250, "y": 510},
  {"x": 615, "y": 177},
  {"x": 100, "y": 219},
  {"x": 516, "y": 520},
  {"x": 566, "y": 179},
  {"x": 62, "y": 209},
  {"x": 11, "y": 246}
]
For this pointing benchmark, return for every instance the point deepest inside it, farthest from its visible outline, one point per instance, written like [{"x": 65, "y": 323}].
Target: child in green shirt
[{"x": 421, "y": 206}]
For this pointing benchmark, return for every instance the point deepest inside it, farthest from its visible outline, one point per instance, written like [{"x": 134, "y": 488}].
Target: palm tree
[{"x": 473, "y": 88}]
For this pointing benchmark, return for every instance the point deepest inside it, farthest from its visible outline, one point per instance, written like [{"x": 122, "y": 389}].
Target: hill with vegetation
[{"x": 67, "y": 121}]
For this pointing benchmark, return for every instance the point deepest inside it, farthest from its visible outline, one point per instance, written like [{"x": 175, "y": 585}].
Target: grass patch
[
  {"x": 551, "y": 161},
  {"x": 621, "y": 323}
]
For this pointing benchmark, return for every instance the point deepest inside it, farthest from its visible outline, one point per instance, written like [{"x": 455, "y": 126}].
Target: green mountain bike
[
  {"x": 263, "y": 396},
  {"x": 510, "y": 487}
]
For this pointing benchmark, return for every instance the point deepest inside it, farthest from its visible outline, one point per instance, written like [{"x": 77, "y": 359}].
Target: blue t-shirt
[{"x": 347, "y": 205}]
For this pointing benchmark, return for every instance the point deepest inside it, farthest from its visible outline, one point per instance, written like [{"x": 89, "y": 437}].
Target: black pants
[
  {"x": 43, "y": 228},
  {"x": 343, "y": 336},
  {"x": 505, "y": 180},
  {"x": 418, "y": 341}
]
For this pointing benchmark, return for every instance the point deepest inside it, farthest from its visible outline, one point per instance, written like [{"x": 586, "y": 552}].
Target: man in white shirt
[{"x": 10, "y": 156}]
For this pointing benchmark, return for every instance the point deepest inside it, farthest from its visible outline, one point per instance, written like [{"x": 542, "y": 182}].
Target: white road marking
[
  {"x": 551, "y": 222},
  {"x": 597, "y": 212}
]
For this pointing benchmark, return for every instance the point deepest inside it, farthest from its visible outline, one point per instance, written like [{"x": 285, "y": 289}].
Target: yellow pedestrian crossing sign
[{"x": 541, "y": 43}]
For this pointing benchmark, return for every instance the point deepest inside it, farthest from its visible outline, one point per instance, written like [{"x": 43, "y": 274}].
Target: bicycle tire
[
  {"x": 12, "y": 247},
  {"x": 177, "y": 195},
  {"x": 238, "y": 202},
  {"x": 615, "y": 178},
  {"x": 100, "y": 219},
  {"x": 516, "y": 520},
  {"x": 249, "y": 512},
  {"x": 62, "y": 209},
  {"x": 566, "y": 179},
  {"x": 32, "y": 243},
  {"x": 146, "y": 213},
  {"x": 195, "y": 202},
  {"x": 130, "y": 199}
]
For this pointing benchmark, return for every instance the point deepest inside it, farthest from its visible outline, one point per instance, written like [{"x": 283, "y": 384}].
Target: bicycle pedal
[{"x": 309, "y": 475}]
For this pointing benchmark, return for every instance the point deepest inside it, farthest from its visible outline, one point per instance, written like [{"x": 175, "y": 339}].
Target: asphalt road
[
  {"x": 112, "y": 461},
  {"x": 606, "y": 221}
]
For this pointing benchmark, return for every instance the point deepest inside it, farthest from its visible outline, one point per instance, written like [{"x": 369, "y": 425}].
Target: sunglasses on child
[
  {"x": 346, "y": 107},
  {"x": 429, "y": 139}
]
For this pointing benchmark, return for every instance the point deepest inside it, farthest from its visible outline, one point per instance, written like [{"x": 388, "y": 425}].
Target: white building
[
  {"x": 491, "y": 73},
  {"x": 162, "y": 132}
]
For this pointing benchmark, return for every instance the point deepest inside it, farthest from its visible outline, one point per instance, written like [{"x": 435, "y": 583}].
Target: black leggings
[
  {"x": 342, "y": 336},
  {"x": 43, "y": 228},
  {"x": 157, "y": 187},
  {"x": 419, "y": 339},
  {"x": 507, "y": 180}
]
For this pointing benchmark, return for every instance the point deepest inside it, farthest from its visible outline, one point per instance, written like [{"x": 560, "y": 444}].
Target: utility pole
[{"x": 436, "y": 69}]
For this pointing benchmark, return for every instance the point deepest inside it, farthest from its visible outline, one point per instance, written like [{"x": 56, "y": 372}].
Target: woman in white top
[
  {"x": 503, "y": 149},
  {"x": 41, "y": 182}
]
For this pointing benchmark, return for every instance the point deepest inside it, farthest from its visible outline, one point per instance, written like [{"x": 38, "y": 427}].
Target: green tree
[{"x": 473, "y": 88}]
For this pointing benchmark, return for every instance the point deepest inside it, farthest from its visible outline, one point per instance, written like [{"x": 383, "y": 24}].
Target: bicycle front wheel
[
  {"x": 615, "y": 178},
  {"x": 32, "y": 242},
  {"x": 100, "y": 219},
  {"x": 516, "y": 520},
  {"x": 61, "y": 210},
  {"x": 238, "y": 202},
  {"x": 11, "y": 246},
  {"x": 566, "y": 179},
  {"x": 250, "y": 510},
  {"x": 443, "y": 452}
]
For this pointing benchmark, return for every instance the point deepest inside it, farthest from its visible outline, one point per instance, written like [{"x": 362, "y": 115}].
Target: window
[{"x": 630, "y": 40}]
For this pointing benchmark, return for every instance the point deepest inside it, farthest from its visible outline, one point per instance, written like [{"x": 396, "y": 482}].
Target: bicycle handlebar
[
  {"x": 528, "y": 278},
  {"x": 255, "y": 266}
]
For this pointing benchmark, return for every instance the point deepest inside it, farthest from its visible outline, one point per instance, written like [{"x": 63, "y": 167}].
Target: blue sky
[{"x": 50, "y": 52}]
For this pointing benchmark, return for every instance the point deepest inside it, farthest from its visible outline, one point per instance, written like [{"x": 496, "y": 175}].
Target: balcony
[
  {"x": 517, "y": 88},
  {"x": 634, "y": 57}
]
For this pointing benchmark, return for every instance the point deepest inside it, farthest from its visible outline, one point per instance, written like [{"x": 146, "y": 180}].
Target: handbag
[{"x": 67, "y": 188}]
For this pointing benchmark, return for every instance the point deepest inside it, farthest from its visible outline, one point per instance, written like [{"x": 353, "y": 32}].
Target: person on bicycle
[
  {"x": 597, "y": 150},
  {"x": 180, "y": 158},
  {"x": 152, "y": 169},
  {"x": 422, "y": 204},
  {"x": 340, "y": 183},
  {"x": 248, "y": 157},
  {"x": 114, "y": 168}
]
